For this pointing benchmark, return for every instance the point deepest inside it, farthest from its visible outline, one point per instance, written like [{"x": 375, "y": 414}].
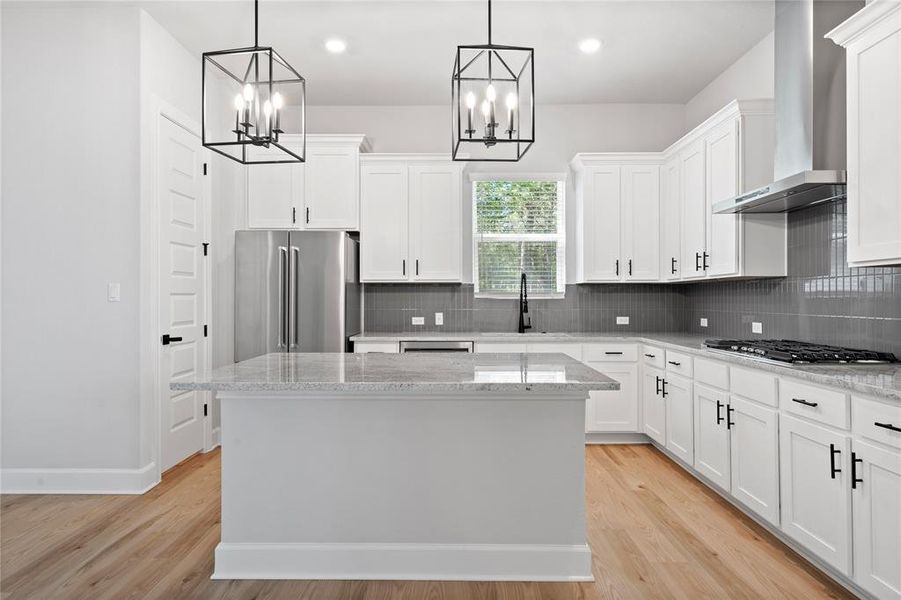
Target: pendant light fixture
[
  {"x": 484, "y": 76},
  {"x": 253, "y": 104}
]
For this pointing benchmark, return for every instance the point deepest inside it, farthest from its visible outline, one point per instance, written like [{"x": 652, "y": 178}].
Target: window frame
[{"x": 559, "y": 237}]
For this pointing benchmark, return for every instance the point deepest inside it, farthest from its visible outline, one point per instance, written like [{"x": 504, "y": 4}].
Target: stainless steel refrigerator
[{"x": 295, "y": 291}]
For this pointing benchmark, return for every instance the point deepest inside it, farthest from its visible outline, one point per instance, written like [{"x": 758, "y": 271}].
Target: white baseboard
[
  {"x": 78, "y": 481},
  {"x": 446, "y": 562},
  {"x": 617, "y": 437}
]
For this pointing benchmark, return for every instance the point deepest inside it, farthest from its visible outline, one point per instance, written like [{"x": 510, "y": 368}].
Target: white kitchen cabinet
[
  {"x": 599, "y": 193},
  {"x": 411, "y": 219},
  {"x": 653, "y": 405},
  {"x": 384, "y": 209},
  {"x": 712, "y": 439},
  {"x": 876, "y": 499},
  {"x": 872, "y": 38},
  {"x": 815, "y": 487},
  {"x": 641, "y": 222},
  {"x": 754, "y": 456},
  {"x": 321, "y": 193},
  {"x": 676, "y": 391},
  {"x": 693, "y": 167},
  {"x": 671, "y": 219},
  {"x": 721, "y": 152},
  {"x": 614, "y": 410}
]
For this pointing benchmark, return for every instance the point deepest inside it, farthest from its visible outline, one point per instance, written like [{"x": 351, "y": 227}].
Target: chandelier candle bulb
[
  {"x": 277, "y": 103},
  {"x": 511, "y": 107},
  {"x": 239, "y": 106},
  {"x": 267, "y": 112},
  {"x": 470, "y": 105}
]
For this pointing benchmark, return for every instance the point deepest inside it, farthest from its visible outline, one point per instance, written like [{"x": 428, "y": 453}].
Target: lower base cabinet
[
  {"x": 679, "y": 419},
  {"x": 877, "y": 520},
  {"x": 816, "y": 490},
  {"x": 614, "y": 410},
  {"x": 712, "y": 451},
  {"x": 754, "y": 457},
  {"x": 653, "y": 406}
]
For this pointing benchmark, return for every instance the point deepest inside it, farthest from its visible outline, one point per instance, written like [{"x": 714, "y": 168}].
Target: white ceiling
[{"x": 401, "y": 52}]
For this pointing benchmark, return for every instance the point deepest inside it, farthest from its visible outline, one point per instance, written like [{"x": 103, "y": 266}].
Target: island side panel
[{"x": 329, "y": 482}]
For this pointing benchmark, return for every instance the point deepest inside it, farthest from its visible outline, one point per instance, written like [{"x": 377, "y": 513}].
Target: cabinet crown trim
[
  {"x": 405, "y": 157},
  {"x": 322, "y": 139},
  {"x": 863, "y": 20}
]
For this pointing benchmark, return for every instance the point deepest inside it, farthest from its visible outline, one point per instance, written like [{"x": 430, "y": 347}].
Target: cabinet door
[
  {"x": 641, "y": 223},
  {"x": 722, "y": 184},
  {"x": 679, "y": 417},
  {"x": 614, "y": 410},
  {"x": 874, "y": 144},
  {"x": 816, "y": 502},
  {"x": 755, "y": 457},
  {"x": 436, "y": 223},
  {"x": 274, "y": 194},
  {"x": 712, "y": 450},
  {"x": 670, "y": 219},
  {"x": 383, "y": 231},
  {"x": 653, "y": 406},
  {"x": 694, "y": 209},
  {"x": 331, "y": 190},
  {"x": 601, "y": 209},
  {"x": 877, "y": 520}
]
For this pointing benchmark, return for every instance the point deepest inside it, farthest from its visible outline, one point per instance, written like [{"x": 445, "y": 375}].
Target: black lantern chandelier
[
  {"x": 253, "y": 104},
  {"x": 483, "y": 76}
]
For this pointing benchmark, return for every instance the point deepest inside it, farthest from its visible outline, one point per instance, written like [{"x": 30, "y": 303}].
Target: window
[{"x": 518, "y": 227}]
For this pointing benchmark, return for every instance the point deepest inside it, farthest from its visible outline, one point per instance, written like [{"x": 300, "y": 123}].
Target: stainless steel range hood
[{"x": 810, "y": 111}]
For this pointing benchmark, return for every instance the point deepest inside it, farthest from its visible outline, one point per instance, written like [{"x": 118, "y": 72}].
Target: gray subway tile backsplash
[{"x": 821, "y": 299}]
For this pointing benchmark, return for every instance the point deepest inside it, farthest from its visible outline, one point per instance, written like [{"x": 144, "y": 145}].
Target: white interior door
[{"x": 182, "y": 303}]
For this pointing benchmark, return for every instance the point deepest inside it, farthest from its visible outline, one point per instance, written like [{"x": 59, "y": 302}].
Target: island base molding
[{"x": 438, "y": 562}]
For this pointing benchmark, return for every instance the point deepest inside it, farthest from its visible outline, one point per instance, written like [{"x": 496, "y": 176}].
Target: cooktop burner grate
[{"x": 791, "y": 351}]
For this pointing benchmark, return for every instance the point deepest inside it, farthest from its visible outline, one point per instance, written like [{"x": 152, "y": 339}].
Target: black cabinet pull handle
[
  {"x": 617, "y": 267},
  {"x": 854, "y": 478},
  {"x": 663, "y": 387},
  {"x": 169, "y": 338},
  {"x": 658, "y": 385},
  {"x": 630, "y": 267},
  {"x": 308, "y": 215},
  {"x": 650, "y": 355},
  {"x": 887, "y": 426},
  {"x": 729, "y": 422},
  {"x": 674, "y": 363},
  {"x": 612, "y": 352},
  {"x": 403, "y": 267},
  {"x": 706, "y": 256},
  {"x": 832, "y": 468},
  {"x": 805, "y": 402},
  {"x": 697, "y": 261},
  {"x": 672, "y": 267},
  {"x": 719, "y": 416},
  {"x": 294, "y": 214},
  {"x": 417, "y": 267}
]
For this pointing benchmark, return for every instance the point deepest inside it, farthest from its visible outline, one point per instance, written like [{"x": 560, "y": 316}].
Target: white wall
[{"x": 749, "y": 77}]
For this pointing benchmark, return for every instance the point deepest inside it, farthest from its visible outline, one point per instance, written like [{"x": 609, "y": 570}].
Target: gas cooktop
[{"x": 790, "y": 351}]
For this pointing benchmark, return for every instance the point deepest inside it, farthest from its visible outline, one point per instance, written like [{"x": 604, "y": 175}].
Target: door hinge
[
  {"x": 206, "y": 248},
  {"x": 205, "y": 409},
  {"x": 205, "y": 330},
  {"x": 204, "y": 168}
]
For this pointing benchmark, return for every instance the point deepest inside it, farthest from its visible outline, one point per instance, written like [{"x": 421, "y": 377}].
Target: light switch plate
[
  {"x": 703, "y": 322},
  {"x": 419, "y": 320},
  {"x": 114, "y": 292},
  {"x": 622, "y": 320},
  {"x": 439, "y": 318},
  {"x": 756, "y": 327}
]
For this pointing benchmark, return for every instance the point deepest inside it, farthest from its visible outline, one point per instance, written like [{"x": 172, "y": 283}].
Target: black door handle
[
  {"x": 658, "y": 385},
  {"x": 403, "y": 267},
  {"x": 168, "y": 338},
  {"x": 663, "y": 387},
  {"x": 706, "y": 256},
  {"x": 805, "y": 402},
  {"x": 729, "y": 422},
  {"x": 887, "y": 426},
  {"x": 854, "y": 479},
  {"x": 617, "y": 267},
  {"x": 719, "y": 416},
  {"x": 832, "y": 468},
  {"x": 630, "y": 267},
  {"x": 697, "y": 261},
  {"x": 308, "y": 215},
  {"x": 673, "y": 265},
  {"x": 417, "y": 267}
]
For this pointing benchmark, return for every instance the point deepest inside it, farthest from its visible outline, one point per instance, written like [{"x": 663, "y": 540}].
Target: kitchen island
[{"x": 403, "y": 466}]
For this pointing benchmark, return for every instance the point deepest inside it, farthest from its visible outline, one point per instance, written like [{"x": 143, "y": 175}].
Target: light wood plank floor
[{"x": 655, "y": 532}]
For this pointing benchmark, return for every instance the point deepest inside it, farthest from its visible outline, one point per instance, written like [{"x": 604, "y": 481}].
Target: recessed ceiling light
[
  {"x": 335, "y": 46},
  {"x": 590, "y": 45}
]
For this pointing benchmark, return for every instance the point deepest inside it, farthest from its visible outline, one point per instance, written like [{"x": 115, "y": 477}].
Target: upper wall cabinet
[
  {"x": 618, "y": 212},
  {"x": 412, "y": 218},
  {"x": 322, "y": 193},
  {"x": 872, "y": 38}
]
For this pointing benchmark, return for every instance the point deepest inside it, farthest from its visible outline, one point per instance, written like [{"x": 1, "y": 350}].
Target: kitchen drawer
[
  {"x": 572, "y": 350},
  {"x": 678, "y": 362},
  {"x": 501, "y": 347},
  {"x": 367, "y": 347},
  {"x": 712, "y": 373},
  {"x": 814, "y": 402},
  {"x": 754, "y": 385},
  {"x": 876, "y": 421},
  {"x": 653, "y": 356},
  {"x": 610, "y": 352}
]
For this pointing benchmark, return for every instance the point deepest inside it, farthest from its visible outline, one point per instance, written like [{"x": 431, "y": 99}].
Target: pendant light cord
[
  {"x": 489, "y": 22},
  {"x": 256, "y": 24}
]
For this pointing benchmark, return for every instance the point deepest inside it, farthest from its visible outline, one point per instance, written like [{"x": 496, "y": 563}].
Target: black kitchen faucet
[{"x": 525, "y": 321}]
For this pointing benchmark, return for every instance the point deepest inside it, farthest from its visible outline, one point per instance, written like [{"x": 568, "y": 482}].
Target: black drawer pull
[
  {"x": 805, "y": 402},
  {"x": 854, "y": 478},
  {"x": 674, "y": 363},
  {"x": 650, "y": 355},
  {"x": 169, "y": 338},
  {"x": 719, "y": 416},
  {"x": 832, "y": 468},
  {"x": 673, "y": 265},
  {"x": 612, "y": 352},
  {"x": 888, "y": 426}
]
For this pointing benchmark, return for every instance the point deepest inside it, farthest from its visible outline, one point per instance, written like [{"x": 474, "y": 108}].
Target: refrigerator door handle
[
  {"x": 293, "y": 296},
  {"x": 282, "y": 292}
]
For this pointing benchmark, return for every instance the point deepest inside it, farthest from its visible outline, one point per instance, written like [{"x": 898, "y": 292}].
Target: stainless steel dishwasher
[{"x": 435, "y": 346}]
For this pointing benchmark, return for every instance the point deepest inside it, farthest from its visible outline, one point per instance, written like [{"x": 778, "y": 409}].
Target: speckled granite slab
[
  {"x": 432, "y": 372},
  {"x": 879, "y": 381}
]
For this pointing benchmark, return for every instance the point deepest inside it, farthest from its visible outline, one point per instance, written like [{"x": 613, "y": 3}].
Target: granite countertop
[
  {"x": 876, "y": 380},
  {"x": 427, "y": 372}
]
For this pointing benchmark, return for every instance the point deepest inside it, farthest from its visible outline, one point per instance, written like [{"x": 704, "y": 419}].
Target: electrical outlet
[
  {"x": 622, "y": 320},
  {"x": 114, "y": 292},
  {"x": 439, "y": 318},
  {"x": 756, "y": 327},
  {"x": 419, "y": 320},
  {"x": 703, "y": 322}
]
